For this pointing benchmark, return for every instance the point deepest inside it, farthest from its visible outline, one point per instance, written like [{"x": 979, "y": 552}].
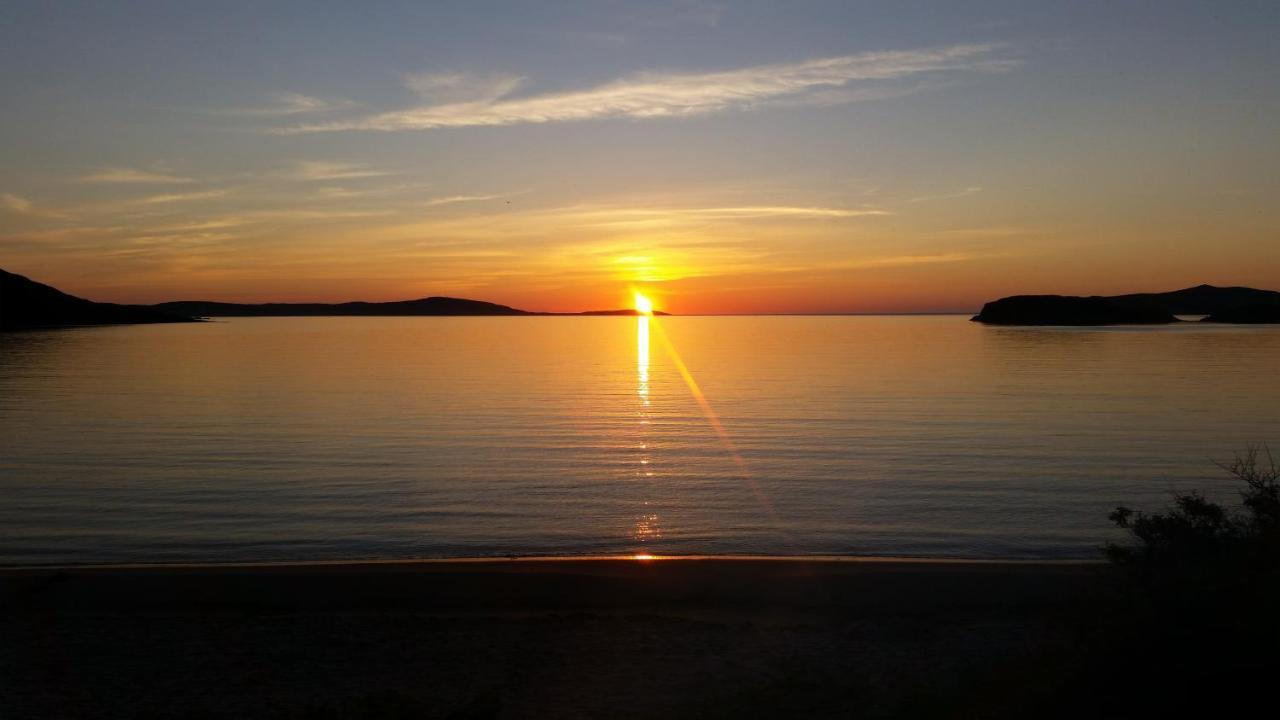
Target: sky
[{"x": 723, "y": 157}]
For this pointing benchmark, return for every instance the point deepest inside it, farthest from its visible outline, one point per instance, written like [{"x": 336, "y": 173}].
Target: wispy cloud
[
  {"x": 306, "y": 215},
  {"x": 593, "y": 213},
  {"x": 989, "y": 233},
  {"x": 15, "y": 204},
  {"x": 19, "y": 205},
  {"x": 202, "y": 225},
  {"x": 180, "y": 197},
  {"x": 907, "y": 260},
  {"x": 444, "y": 88},
  {"x": 487, "y": 101},
  {"x": 669, "y": 226},
  {"x": 181, "y": 239},
  {"x": 947, "y": 196},
  {"x": 322, "y": 170},
  {"x": 762, "y": 211},
  {"x": 55, "y": 235},
  {"x": 340, "y": 193},
  {"x": 289, "y": 103},
  {"x": 639, "y": 218},
  {"x": 124, "y": 175},
  {"x": 452, "y": 199}
]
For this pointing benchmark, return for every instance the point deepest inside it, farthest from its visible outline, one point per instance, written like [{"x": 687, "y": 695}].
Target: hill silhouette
[
  {"x": 423, "y": 306},
  {"x": 1250, "y": 315},
  {"x": 26, "y": 304},
  {"x": 1204, "y": 300},
  {"x": 1068, "y": 310},
  {"x": 1219, "y": 304},
  {"x": 428, "y": 306}
]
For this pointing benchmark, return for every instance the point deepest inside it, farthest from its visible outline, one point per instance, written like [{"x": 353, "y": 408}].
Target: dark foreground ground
[{"x": 581, "y": 638}]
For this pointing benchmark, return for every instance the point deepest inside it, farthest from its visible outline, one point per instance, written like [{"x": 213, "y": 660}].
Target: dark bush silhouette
[
  {"x": 1192, "y": 629},
  {"x": 1202, "y": 537}
]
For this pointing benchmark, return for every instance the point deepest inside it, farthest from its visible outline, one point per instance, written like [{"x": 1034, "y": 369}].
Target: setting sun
[{"x": 643, "y": 304}]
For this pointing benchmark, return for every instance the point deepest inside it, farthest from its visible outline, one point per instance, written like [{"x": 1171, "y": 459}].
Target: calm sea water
[{"x": 332, "y": 438}]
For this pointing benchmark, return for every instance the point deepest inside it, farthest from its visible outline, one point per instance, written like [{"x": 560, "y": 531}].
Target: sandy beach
[{"x": 707, "y": 637}]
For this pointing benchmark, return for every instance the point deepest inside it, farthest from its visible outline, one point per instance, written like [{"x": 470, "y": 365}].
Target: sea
[{"x": 325, "y": 439}]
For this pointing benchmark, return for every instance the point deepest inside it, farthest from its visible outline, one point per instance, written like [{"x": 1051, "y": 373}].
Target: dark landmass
[
  {"x": 1254, "y": 315},
  {"x": 27, "y": 305},
  {"x": 1220, "y": 304},
  {"x": 430, "y": 306},
  {"x": 628, "y": 313},
  {"x": 1204, "y": 300},
  {"x": 528, "y": 638},
  {"x": 424, "y": 306},
  {"x": 1067, "y": 310}
]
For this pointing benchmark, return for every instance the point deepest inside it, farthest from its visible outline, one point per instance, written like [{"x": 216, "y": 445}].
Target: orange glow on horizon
[{"x": 643, "y": 304}]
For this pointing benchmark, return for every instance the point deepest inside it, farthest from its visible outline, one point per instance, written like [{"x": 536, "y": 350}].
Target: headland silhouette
[
  {"x": 28, "y": 305},
  {"x": 1217, "y": 304}
]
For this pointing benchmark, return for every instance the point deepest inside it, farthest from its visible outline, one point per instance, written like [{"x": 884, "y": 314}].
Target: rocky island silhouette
[{"x": 1218, "y": 304}]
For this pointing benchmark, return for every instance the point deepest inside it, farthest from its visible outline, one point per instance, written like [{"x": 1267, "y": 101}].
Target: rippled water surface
[{"x": 329, "y": 438}]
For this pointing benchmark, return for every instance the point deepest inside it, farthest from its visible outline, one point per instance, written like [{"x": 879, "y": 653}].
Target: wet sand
[{"x": 709, "y": 637}]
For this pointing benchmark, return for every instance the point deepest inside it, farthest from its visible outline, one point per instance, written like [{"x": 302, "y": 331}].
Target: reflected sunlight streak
[
  {"x": 648, "y": 526},
  {"x": 714, "y": 421},
  {"x": 642, "y": 358}
]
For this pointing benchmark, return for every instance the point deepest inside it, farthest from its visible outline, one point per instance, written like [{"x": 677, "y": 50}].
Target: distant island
[
  {"x": 1255, "y": 314},
  {"x": 428, "y": 306},
  {"x": 1217, "y": 304},
  {"x": 27, "y": 305},
  {"x": 425, "y": 306}
]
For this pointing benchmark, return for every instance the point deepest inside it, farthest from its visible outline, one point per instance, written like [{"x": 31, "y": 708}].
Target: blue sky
[{"x": 726, "y": 156}]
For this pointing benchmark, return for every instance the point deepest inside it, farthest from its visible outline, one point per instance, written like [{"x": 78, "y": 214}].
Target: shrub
[
  {"x": 1198, "y": 592},
  {"x": 1199, "y": 534}
]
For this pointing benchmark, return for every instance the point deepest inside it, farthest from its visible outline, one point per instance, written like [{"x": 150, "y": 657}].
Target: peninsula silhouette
[
  {"x": 1217, "y": 304},
  {"x": 427, "y": 306},
  {"x": 423, "y": 306},
  {"x": 26, "y": 304}
]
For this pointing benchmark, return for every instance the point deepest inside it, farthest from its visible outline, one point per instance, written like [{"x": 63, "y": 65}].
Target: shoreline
[
  {"x": 640, "y": 558},
  {"x": 768, "y": 586}
]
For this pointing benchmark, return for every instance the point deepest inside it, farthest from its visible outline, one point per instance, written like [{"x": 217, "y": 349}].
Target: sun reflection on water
[
  {"x": 642, "y": 358},
  {"x": 647, "y": 526}
]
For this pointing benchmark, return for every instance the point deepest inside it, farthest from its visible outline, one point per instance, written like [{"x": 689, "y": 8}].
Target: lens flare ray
[{"x": 714, "y": 420}]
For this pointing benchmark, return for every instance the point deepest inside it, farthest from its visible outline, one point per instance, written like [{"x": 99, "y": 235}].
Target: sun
[{"x": 644, "y": 305}]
